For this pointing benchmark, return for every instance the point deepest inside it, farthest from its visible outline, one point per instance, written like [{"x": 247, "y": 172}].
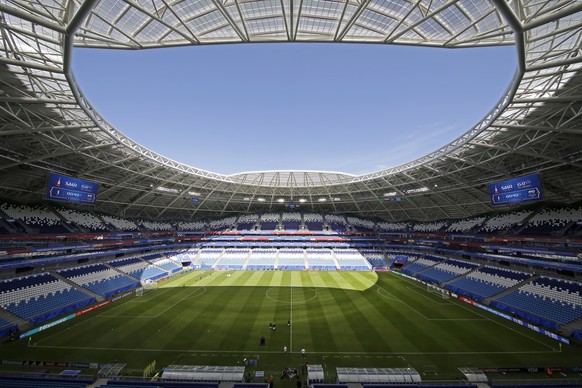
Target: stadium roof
[{"x": 46, "y": 123}]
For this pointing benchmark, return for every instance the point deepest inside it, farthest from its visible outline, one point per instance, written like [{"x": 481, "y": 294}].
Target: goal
[
  {"x": 433, "y": 289},
  {"x": 146, "y": 286}
]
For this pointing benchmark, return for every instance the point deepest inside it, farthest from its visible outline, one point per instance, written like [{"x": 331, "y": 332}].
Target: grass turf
[{"x": 351, "y": 319}]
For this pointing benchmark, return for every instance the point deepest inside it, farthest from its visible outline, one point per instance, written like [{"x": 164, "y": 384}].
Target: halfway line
[{"x": 291, "y": 315}]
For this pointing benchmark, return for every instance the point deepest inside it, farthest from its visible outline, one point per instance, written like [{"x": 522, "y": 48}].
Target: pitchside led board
[
  {"x": 69, "y": 189},
  {"x": 522, "y": 189}
]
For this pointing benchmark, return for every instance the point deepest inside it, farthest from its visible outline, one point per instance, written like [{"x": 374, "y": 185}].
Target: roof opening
[{"x": 330, "y": 107}]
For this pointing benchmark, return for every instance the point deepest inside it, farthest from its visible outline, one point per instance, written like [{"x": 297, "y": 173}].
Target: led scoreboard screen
[
  {"x": 69, "y": 189},
  {"x": 522, "y": 189}
]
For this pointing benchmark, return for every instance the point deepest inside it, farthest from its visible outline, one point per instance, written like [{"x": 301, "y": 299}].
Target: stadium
[{"x": 121, "y": 267}]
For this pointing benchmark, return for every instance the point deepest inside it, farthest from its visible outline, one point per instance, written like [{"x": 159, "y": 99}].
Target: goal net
[
  {"x": 146, "y": 286},
  {"x": 433, "y": 289}
]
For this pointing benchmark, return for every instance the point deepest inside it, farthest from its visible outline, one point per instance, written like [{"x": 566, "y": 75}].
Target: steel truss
[{"x": 47, "y": 124}]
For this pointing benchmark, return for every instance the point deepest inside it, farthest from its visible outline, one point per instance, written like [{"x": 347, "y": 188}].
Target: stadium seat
[
  {"x": 100, "y": 279},
  {"x": 313, "y": 221},
  {"x": 40, "y": 297},
  {"x": 465, "y": 225},
  {"x": 156, "y": 225},
  {"x": 550, "y": 220},
  {"x": 321, "y": 259},
  {"x": 191, "y": 226},
  {"x": 420, "y": 264},
  {"x": 504, "y": 221},
  {"x": 351, "y": 260},
  {"x": 262, "y": 259},
  {"x": 429, "y": 226},
  {"x": 547, "y": 301},
  {"x": 233, "y": 259},
  {"x": 336, "y": 223},
  {"x": 83, "y": 219},
  {"x": 222, "y": 224},
  {"x": 38, "y": 218},
  {"x": 120, "y": 223},
  {"x": 291, "y": 221},
  {"x": 291, "y": 259},
  {"x": 360, "y": 225},
  {"x": 269, "y": 221},
  {"x": 247, "y": 221},
  {"x": 376, "y": 258},
  {"x": 486, "y": 282},
  {"x": 446, "y": 271},
  {"x": 393, "y": 226}
]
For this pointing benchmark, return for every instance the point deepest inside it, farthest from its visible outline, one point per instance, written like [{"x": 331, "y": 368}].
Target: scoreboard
[
  {"x": 522, "y": 189},
  {"x": 69, "y": 189}
]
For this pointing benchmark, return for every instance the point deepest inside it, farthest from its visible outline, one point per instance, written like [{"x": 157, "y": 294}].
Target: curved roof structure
[{"x": 46, "y": 123}]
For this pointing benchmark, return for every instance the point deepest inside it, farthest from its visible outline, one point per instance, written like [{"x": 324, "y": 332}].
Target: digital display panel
[
  {"x": 69, "y": 189},
  {"x": 522, "y": 189}
]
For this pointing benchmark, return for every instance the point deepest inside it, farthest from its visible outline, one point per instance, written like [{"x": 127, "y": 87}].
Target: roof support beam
[
  {"x": 575, "y": 58},
  {"x": 553, "y": 16},
  {"x": 243, "y": 35},
  {"x": 72, "y": 27},
  {"x": 340, "y": 35},
  {"x": 420, "y": 21},
  {"x": 30, "y": 17},
  {"x": 31, "y": 65},
  {"x": 32, "y": 100}
]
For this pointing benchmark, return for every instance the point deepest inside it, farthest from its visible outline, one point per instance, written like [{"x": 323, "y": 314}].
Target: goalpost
[
  {"x": 434, "y": 289},
  {"x": 146, "y": 286}
]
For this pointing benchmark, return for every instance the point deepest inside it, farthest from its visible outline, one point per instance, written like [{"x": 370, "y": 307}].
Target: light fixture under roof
[
  {"x": 419, "y": 190},
  {"x": 167, "y": 190}
]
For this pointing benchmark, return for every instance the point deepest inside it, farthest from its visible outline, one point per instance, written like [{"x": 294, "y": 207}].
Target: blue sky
[{"x": 334, "y": 107}]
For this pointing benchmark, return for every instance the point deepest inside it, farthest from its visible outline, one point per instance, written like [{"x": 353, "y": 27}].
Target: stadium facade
[{"x": 48, "y": 125}]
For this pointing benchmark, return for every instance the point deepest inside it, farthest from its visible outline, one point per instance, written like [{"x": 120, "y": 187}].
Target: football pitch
[{"x": 341, "y": 319}]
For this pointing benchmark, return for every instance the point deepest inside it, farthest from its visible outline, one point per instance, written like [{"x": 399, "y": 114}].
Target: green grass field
[{"x": 351, "y": 319}]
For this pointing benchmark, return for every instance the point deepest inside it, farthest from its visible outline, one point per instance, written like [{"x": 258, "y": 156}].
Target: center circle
[{"x": 291, "y": 295}]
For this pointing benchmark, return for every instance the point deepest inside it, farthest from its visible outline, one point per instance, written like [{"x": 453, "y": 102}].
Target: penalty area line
[
  {"x": 427, "y": 297},
  {"x": 190, "y": 295},
  {"x": 146, "y": 299},
  {"x": 476, "y": 311},
  {"x": 401, "y": 301}
]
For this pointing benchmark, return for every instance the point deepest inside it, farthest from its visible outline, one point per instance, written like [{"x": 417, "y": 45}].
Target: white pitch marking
[
  {"x": 336, "y": 354},
  {"x": 291, "y": 314},
  {"x": 427, "y": 297},
  {"x": 401, "y": 301},
  {"x": 474, "y": 311}
]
